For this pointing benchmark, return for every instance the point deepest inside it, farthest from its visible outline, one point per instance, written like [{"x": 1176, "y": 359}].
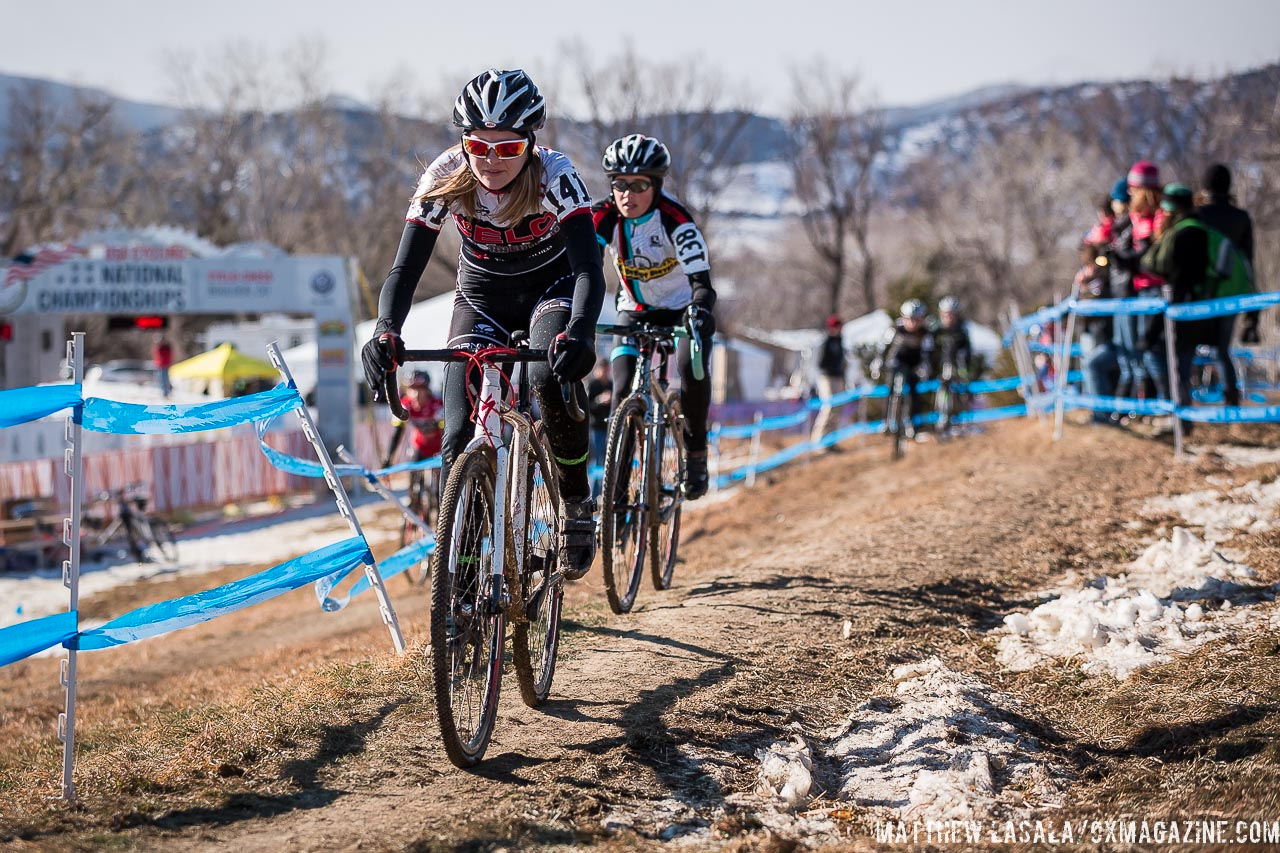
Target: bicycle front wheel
[
  {"x": 665, "y": 497},
  {"x": 624, "y": 523},
  {"x": 534, "y": 642},
  {"x": 898, "y": 407},
  {"x": 467, "y": 621},
  {"x": 418, "y": 573}
]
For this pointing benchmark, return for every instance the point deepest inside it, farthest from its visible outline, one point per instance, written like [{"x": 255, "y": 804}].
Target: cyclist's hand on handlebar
[
  {"x": 703, "y": 318},
  {"x": 571, "y": 357},
  {"x": 381, "y": 355}
]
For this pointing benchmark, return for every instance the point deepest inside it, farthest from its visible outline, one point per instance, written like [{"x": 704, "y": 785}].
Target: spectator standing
[
  {"x": 833, "y": 363},
  {"x": 162, "y": 358},
  {"x": 1096, "y": 347},
  {"x": 1181, "y": 258},
  {"x": 1218, "y": 211},
  {"x": 1144, "y": 204}
]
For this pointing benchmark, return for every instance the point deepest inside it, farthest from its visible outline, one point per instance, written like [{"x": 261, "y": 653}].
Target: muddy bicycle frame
[{"x": 494, "y": 407}]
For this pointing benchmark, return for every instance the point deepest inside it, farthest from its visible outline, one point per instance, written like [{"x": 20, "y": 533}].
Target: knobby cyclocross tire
[
  {"x": 419, "y": 505},
  {"x": 534, "y": 642},
  {"x": 162, "y": 540},
  {"x": 466, "y": 631},
  {"x": 665, "y": 498},
  {"x": 898, "y": 406},
  {"x": 624, "y": 516}
]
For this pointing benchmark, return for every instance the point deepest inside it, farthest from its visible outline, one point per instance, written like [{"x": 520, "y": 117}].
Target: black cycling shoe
[
  {"x": 695, "y": 475},
  {"x": 577, "y": 537}
]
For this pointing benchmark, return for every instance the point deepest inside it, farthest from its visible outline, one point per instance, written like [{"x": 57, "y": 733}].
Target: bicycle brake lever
[
  {"x": 569, "y": 390},
  {"x": 391, "y": 389}
]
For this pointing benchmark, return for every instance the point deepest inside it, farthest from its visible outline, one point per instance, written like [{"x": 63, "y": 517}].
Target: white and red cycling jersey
[
  {"x": 490, "y": 242},
  {"x": 659, "y": 256}
]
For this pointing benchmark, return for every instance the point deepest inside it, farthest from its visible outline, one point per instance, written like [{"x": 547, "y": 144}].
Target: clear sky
[{"x": 909, "y": 51}]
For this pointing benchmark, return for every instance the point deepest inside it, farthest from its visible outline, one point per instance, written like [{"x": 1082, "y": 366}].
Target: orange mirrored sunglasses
[{"x": 508, "y": 149}]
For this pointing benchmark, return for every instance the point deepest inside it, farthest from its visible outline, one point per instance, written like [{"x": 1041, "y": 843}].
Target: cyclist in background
[
  {"x": 951, "y": 340},
  {"x": 528, "y": 262},
  {"x": 908, "y": 349},
  {"x": 664, "y": 269},
  {"x": 426, "y": 414}
]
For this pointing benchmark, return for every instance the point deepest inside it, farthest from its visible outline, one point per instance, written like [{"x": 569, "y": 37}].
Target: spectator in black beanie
[{"x": 1218, "y": 211}]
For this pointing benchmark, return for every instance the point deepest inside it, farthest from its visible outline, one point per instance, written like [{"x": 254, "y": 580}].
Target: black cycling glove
[
  {"x": 382, "y": 354},
  {"x": 570, "y": 357}
]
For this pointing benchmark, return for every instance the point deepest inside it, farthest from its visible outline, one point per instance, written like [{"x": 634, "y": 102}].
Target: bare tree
[
  {"x": 685, "y": 104},
  {"x": 841, "y": 143},
  {"x": 64, "y": 168}
]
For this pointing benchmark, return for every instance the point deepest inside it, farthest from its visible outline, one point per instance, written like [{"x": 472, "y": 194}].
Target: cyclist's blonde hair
[{"x": 521, "y": 198}]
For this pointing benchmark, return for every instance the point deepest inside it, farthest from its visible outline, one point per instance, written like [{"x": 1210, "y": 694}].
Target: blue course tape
[
  {"x": 166, "y": 616},
  {"x": 424, "y": 465},
  {"x": 1230, "y": 414},
  {"x": 20, "y": 405},
  {"x": 397, "y": 563},
  {"x": 133, "y": 419},
  {"x": 1111, "y": 307},
  {"x": 28, "y": 638},
  {"x": 1122, "y": 405},
  {"x": 1221, "y": 307},
  {"x": 299, "y": 467}
]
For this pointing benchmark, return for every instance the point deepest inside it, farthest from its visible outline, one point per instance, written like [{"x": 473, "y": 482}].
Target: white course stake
[
  {"x": 73, "y": 464},
  {"x": 1061, "y": 371},
  {"x": 1171, "y": 370},
  {"x": 344, "y": 502}
]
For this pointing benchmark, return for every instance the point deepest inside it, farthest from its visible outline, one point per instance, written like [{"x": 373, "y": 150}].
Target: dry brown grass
[{"x": 139, "y": 760}]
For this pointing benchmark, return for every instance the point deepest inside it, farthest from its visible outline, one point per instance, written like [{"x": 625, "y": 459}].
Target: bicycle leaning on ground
[
  {"x": 496, "y": 558},
  {"x": 147, "y": 536},
  {"x": 644, "y": 466}
]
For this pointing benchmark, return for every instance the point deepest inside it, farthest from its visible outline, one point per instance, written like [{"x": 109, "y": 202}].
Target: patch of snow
[
  {"x": 1251, "y": 508},
  {"x": 945, "y": 747},
  {"x": 1239, "y": 457},
  {"x": 786, "y": 773},
  {"x": 1180, "y": 593}
]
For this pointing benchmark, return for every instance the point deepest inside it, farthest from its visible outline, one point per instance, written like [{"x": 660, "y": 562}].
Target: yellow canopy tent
[{"x": 224, "y": 362}]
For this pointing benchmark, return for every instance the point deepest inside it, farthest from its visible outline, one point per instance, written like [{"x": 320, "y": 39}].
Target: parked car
[{"x": 131, "y": 370}]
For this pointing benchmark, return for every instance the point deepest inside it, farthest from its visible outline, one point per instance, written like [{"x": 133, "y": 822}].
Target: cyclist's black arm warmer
[
  {"x": 396, "y": 298},
  {"x": 586, "y": 261},
  {"x": 704, "y": 295},
  {"x": 396, "y": 435}
]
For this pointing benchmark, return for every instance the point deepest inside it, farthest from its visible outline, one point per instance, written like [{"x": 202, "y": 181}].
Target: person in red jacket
[{"x": 162, "y": 358}]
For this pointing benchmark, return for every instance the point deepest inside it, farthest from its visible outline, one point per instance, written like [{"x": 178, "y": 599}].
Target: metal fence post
[
  {"x": 754, "y": 455},
  {"x": 74, "y": 467},
  {"x": 344, "y": 502},
  {"x": 1061, "y": 370}
]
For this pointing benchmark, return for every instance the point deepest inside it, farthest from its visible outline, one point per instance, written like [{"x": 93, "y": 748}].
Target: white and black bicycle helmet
[
  {"x": 636, "y": 154},
  {"x": 949, "y": 305},
  {"x": 500, "y": 100},
  {"x": 914, "y": 309}
]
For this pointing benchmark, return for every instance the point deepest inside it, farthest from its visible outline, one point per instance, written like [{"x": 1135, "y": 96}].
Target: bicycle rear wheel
[
  {"x": 624, "y": 522},
  {"x": 534, "y": 642},
  {"x": 666, "y": 498},
  {"x": 162, "y": 540},
  {"x": 466, "y": 628}
]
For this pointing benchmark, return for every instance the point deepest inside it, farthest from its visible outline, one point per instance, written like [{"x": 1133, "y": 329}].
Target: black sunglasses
[{"x": 640, "y": 186}]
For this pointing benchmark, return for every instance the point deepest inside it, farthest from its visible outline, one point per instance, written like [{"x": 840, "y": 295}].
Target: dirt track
[{"x": 656, "y": 717}]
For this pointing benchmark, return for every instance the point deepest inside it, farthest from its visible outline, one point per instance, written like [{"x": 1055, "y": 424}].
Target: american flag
[{"x": 31, "y": 263}]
